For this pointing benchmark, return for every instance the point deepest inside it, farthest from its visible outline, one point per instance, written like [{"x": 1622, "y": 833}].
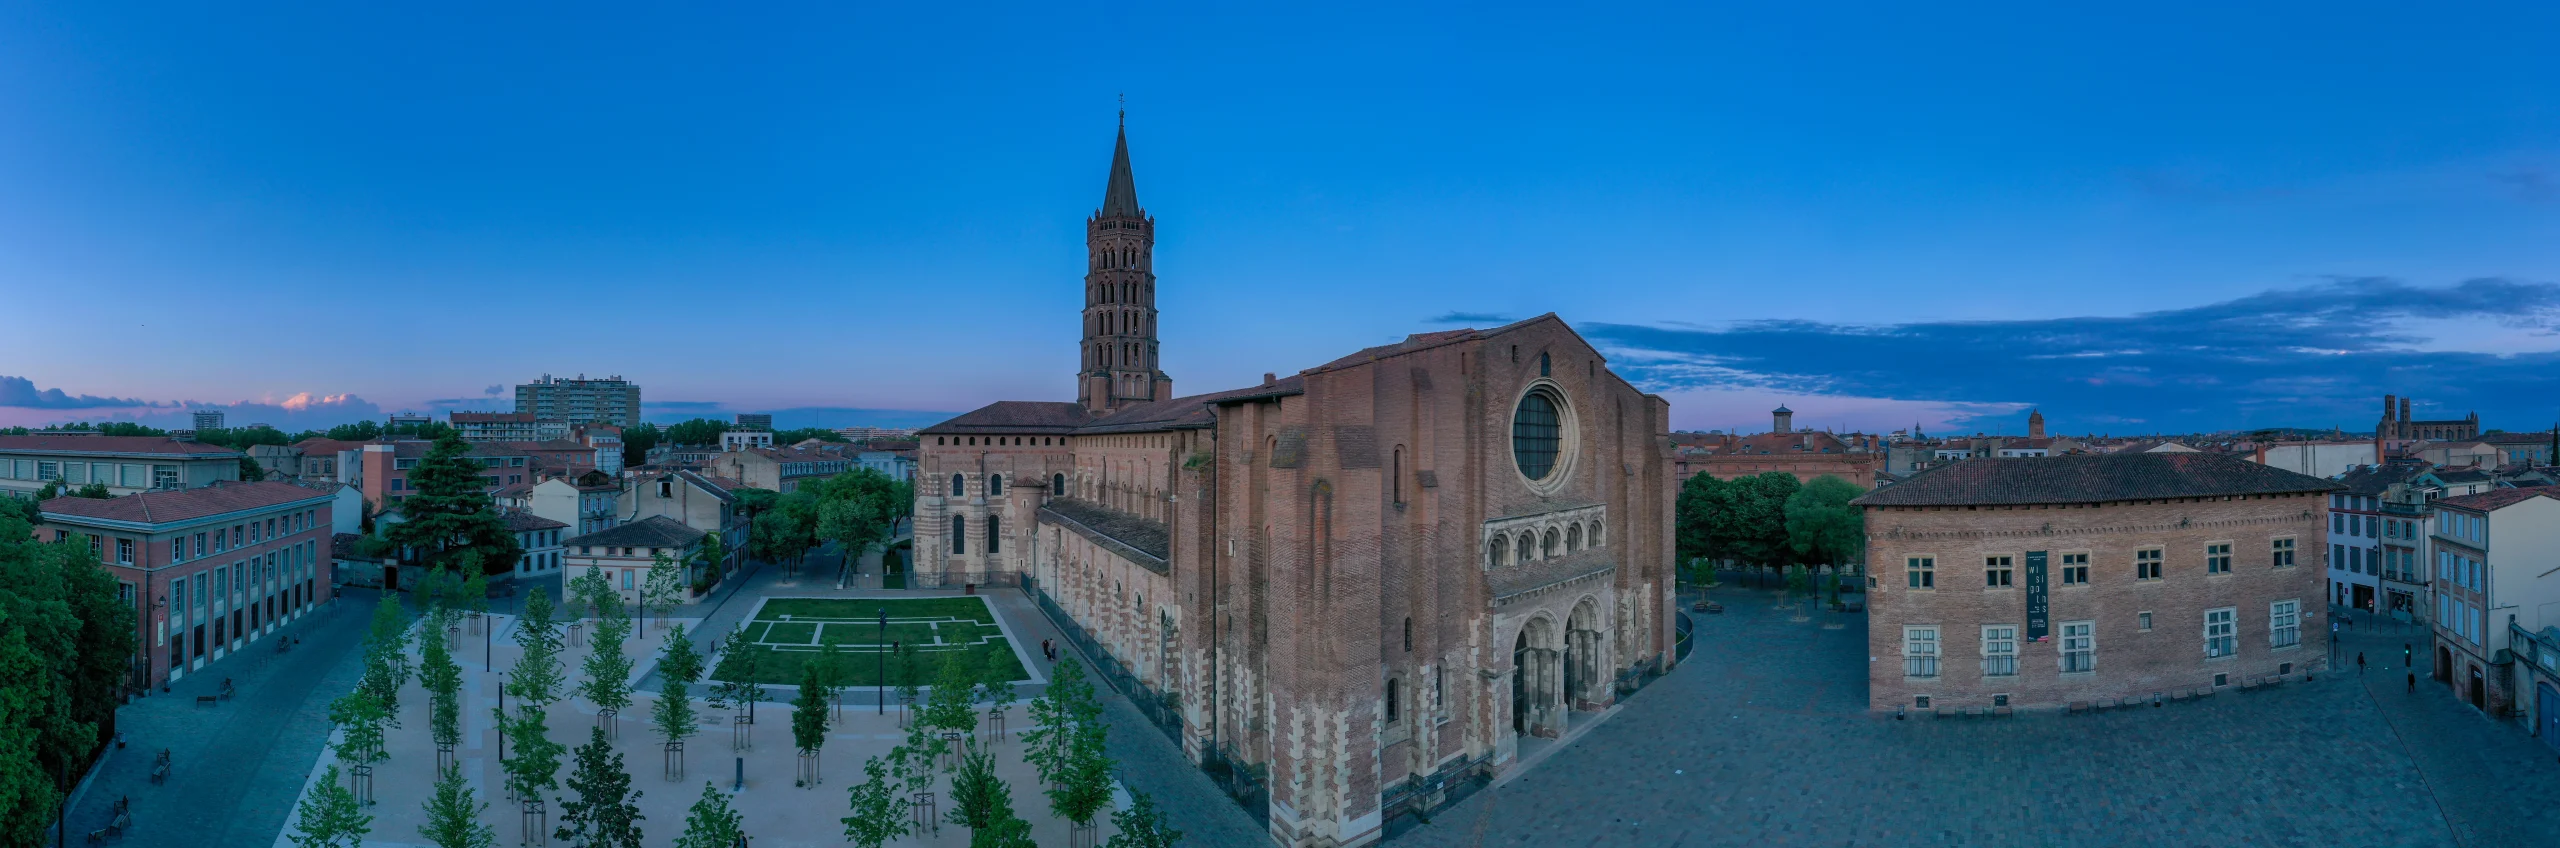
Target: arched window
[
  {"x": 1391, "y": 701},
  {"x": 1058, "y": 485},
  {"x": 959, "y": 535},
  {"x": 1595, "y": 534},
  {"x": 1547, "y": 546},
  {"x": 1528, "y": 547},
  {"x": 995, "y": 530},
  {"x": 1544, "y": 368},
  {"x": 1572, "y": 538},
  {"x": 1408, "y": 634},
  {"x": 959, "y": 485},
  {"x": 1501, "y": 550},
  {"x": 995, "y": 485}
]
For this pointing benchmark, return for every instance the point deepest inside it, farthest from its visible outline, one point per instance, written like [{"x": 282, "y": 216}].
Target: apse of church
[{"x": 1358, "y": 584}]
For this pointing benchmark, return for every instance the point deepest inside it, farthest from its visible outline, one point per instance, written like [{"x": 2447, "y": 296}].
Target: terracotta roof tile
[
  {"x": 2092, "y": 478},
  {"x": 164, "y": 507},
  {"x": 133, "y": 445}
]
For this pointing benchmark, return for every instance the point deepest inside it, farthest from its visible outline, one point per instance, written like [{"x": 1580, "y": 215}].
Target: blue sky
[{"x": 1875, "y": 215}]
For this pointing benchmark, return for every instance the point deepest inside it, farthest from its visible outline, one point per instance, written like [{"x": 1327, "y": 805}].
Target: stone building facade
[
  {"x": 2051, "y": 581},
  {"x": 1362, "y": 581}
]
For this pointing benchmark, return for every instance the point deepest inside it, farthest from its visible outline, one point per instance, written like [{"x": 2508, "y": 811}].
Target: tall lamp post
[{"x": 880, "y": 665}]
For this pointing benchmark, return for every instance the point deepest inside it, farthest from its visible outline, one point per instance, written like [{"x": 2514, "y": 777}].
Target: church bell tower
[{"x": 1119, "y": 350}]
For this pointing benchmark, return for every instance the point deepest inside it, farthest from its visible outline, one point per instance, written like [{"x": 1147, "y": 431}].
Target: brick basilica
[{"x": 1360, "y": 583}]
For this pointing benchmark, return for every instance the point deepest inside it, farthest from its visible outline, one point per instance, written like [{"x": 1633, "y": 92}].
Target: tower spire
[
  {"x": 1119, "y": 349},
  {"x": 1120, "y": 196}
]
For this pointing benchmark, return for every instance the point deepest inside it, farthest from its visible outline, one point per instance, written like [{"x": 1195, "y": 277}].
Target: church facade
[{"x": 1363, "y": 582}]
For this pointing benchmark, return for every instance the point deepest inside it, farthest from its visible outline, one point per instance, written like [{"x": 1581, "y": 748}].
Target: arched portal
[
  {"x": 1536, "y": 678},
  {"x": 1582, "y": 657}
]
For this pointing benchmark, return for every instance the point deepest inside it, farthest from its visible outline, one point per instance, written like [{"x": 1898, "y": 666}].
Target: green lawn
[{"x": 789, "y": 630}]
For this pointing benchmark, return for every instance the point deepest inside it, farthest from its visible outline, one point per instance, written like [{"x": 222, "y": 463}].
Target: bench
[
  {"x": 1852, "y": 606},
  {"x": 207, "y": 700},
  {"x": 160, "y": 772}
]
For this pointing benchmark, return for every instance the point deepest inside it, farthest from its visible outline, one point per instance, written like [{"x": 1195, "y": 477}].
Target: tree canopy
[
  {"x": 1821, "y": 525},
  {"x": 65, "y": 640},
  {"x": 450, "y": 511}
]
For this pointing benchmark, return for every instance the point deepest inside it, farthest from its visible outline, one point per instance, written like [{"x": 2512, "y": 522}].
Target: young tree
[
  {"x": 1057, "y": 716},
  {"x": 475, "y": 591},
  {"x": 608, "y": 671},
  {"x": 453, "y": 814},
  {"x": 443, "y": 681},
  {"x": 675, "y": 720},
  {"x": 994, "y": 685},
  {"x": 737, "y": 670},
  {"x": 679, "y": 660},
  {"x": 386, "y": 663},
  {"x": 450, "y": 510},
  {"x": 535, "y": 682},
  {"x": 1142, "y": 825},
  {"x": 711, "y": 824},
  {"x": 877, "y": 815},
  {"x": 979, "y": 798},
  {"x": 536, "y": 678},
  {"x": 360, "y": 718},
  {"x": 952, "y": 703},
  {"x": 713, "y": 556},
  {"x": 587, "y": 591},
  {"x": 1083, "y": 786},
  {"x": 664, "y": 588},
  {"x": 809, "y": 719},
  {"x": 330, "y": 817},
  {"x": 606, "y": 811}
]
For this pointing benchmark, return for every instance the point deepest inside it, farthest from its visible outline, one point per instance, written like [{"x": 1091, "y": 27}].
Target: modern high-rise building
[
  {"x": 609, "y": 400},
  {"x": 208, "y": 419}
]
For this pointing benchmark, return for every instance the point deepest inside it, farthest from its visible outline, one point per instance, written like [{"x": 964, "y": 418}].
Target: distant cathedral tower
[{"x": 1120, "y": 297}]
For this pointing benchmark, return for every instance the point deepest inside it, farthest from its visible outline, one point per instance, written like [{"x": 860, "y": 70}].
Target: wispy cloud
[
  {"x": 2318, "y": 355},
  {"x": 22, "y": 392}
]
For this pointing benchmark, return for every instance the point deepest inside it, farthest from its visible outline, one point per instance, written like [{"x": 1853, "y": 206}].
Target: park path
[{"x": 236, "y": 767}]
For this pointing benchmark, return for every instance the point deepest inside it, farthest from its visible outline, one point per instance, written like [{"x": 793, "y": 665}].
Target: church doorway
[
  {"x": 1582, "y": 656},
  {"x": 1520, "y": 683},
  {"x": 1537, "y": 680}
]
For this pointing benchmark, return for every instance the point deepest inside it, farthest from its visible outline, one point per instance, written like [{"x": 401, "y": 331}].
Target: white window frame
[
  {"x": 2222, "y": 637},
  {"x": 1999, "y": 650},
  {"x": 2284, "y": 624},
  {"x": 2078, "y": 638},
  {"x": 1920, "y": 650}
]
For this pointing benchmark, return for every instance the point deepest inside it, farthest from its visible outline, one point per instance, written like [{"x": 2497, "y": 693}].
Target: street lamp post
[{"x": 880, "y": 665}]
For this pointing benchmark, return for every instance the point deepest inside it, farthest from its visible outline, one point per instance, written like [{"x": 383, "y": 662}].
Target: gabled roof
[
  {"x": 656, "y": 531},
  {"x": 135, "y": 446},
  {"x": 2497, "y": 499},
  {"x": 2377, "y": 479},
  {"x": 169, "y": 506},
  {"x": 1015, "y": 416},
  {"x": 526, "y": 522},
  {"x": 2090, "y": 478}
]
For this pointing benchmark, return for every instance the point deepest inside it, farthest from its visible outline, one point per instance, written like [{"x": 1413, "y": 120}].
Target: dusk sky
[{"x": 2158, "y": 220}]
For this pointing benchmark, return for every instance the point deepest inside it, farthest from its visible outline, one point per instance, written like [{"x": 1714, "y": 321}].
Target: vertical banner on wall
[{"x": 2039, "y": 614}]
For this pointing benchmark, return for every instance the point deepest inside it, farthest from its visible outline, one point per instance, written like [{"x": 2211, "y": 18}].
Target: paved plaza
[{"x": 1762, "y": 738}]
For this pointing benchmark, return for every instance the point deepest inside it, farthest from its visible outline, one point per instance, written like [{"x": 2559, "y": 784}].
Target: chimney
[
  {"x": 1782, "y": 420},
  {"x": 1269, "y": 378}
]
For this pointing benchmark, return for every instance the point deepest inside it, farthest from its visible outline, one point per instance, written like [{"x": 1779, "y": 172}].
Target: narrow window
[
  {"x": 1408, "y": 635},
  {"x": 1543, "y": 366},
  {"x": 995, "y": 485},
  {"x": 1391, "y": 702},
  {"x": 1395, "y": 475},
  {"x": 994, "y": 534},
  {"x": 958, "y": 485},
  {"x": 1493, "y": 557},
  {"x": 959, "y": 535},
  {"x": 1922, "y": 572},
  {"x": 1997, "y": 572},
  {"x": 1058, "y": 485}
]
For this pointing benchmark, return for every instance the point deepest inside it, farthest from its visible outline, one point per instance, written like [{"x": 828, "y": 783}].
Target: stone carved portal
[{"x": 1536, "y": 675}]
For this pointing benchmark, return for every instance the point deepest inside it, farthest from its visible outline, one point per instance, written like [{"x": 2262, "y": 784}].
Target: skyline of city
[{"x": 1739, "y": 208}]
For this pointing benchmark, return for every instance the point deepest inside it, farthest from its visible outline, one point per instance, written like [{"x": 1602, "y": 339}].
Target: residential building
[
  {"x": 208, "y": 419},
  {"x": 2406, "y": 507},
  {"x": 541, "y": 539},
  {"x": 2061, "y": 580},
  {"x": 2318, "y": 459},
  {"x": 2537, "y": 666},
  {"x": 382, "y": 471},
  {"x": 2493, "y": 559},
  {"x": 699, "y": 501},
  {"x": 589, "y": 502},
  {"x": 737, "y": 440},
  {"x": 124, "y": 464},
  {"x": 1368, "y": 580},
  {"x": 2463, "y": 453},
  {"x": 780, "y": 469},
  {"x": 627, "y": 552},
  {"x": 861, "y": 434},
  {"x": 2523, "y": 450},
  {"x": 2358, "y": 529},
  {"x": 573, "y": 401},
  {"x": 505, "y": 427},
  {"x": 899, "y": 465},
  {"x": 410, "y": 422},
  {"x": 2457, "y": 482},
  {"x": 755, "y": 421},
  {"x": 208, "y": 570}
]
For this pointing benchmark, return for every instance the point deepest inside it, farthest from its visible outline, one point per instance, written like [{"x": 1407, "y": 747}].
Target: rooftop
[
  {"x": 2497, "y": 499},
  {"x": 656, "y": 531},
  {"x": 152, "y": 446},
  {"x": 2095, "y": 478},
  {"x": 1143, "y": 541},
  {"x": 169, "y": 506}
]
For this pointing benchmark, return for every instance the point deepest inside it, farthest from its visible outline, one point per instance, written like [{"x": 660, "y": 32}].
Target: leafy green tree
[
  {"x": 809, "y": 712},
  {"x": 952, "y": 703},
  {"x": 699, "y": 431},
  {"x": 1822, "y": 526},
  {"x": 94, "y": 491},
  {"x": 877, "y": 815},
  {"x": 738, "y": 673},
  {"x": 1142, "y": 825},
  {"x": 250, "y": 470},
  {"x": 453, "y": 814},
  {"x": 606, "y": 811},
  {"x": 636, "y": 442},
  {"x": 1057, "y": 716},
  {"x": 673, "y": 715},
  {"x": 76, "y": 643},
  {"x": 360, "y": 718},
  {"x": 664, "y": 588},
  {"x": 330, "y": 817},
  {"x": 678, "y": 660},
  {"x": 450, "y": 510},
  {"x": 535, "y": 682},
  {"x": 711, "y": 824},
  {"x": 608, "y": 671},
  {"x": 28, "y": 797},
  {"x": 1083, "y": 786},
  {"x": 443, "y": 681},
  {"x": 978, "y": 797},
  {"x": 475, "y": 591}
]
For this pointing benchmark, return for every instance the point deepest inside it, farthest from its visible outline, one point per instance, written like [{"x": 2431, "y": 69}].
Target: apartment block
[
  {"x": 579, "y": 400},
  {"x": 124, "y": 464}
]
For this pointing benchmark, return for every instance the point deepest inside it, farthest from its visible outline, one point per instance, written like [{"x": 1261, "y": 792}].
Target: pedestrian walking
[
  {"x": 2413, "y": 682},
  {"x": 2359, "y": 662}
]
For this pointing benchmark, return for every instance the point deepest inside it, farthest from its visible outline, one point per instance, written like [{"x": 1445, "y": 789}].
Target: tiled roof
[
  {"x": 1015, "y": 416},
  {"x": 113, "y": 445},
  {"x": 526, "y": 522},
  {"x": 2517, "y": 438},
  {"x": 656, "y": 531},
  {"x": 2377, "y": 479},
  {"x": 2090, "y": 479},
  {"x": 1186, "y": 412},
  {"x": 1139, "y": 540},
  {"x": 163, "y": 507},
  {"x": 2496, "y": 499},
  {"x": 2463, "y": 475}
]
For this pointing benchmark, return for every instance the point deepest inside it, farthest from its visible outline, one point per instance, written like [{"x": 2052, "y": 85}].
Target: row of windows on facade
[
  {"x": 1119, "y": 322},
  {"x": 401, "y": 484},
  {"x": 290, "y": 581},
  {"x": 124, "y": 475},
  {"x": 2077, "y": 650},
  {"x": 2387, "y": 562},
  {"x": 1149, "y": 441},
  {"x": 1130, "y": 355},
  {"x": 2462, "y": 618},
  {"x": 2464, "y": 526},
  {"x": 1126, "y": 257},
  {"x": 1533, "y": 546},
  {"x": 207, "y": 543},
  {"x": 1921, "y": 572},
  {"x": 2371, "y": 527},
  {"x": 960, "y": 534},
  {"x": 225, "y": 585}
]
